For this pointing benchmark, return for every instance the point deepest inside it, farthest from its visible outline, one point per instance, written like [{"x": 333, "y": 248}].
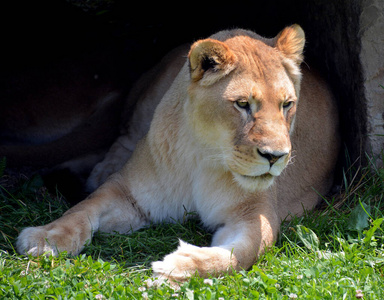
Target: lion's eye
[
  {"x": 242, "y": 104},
  {"x": 287, "y": 104}
]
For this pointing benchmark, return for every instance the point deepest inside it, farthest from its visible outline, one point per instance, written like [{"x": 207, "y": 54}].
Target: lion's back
[{"x": 316, "y": 144}]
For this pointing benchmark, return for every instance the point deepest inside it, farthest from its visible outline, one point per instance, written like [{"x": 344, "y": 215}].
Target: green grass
[{"x": 336, "y": 252}]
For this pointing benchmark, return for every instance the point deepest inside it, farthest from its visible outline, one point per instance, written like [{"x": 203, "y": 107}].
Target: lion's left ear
[
  {"x": 291, "y": 42},
  {"x": 210, "y": 60}
]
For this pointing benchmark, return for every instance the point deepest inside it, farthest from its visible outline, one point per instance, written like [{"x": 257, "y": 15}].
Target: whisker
[{"x": 291, "y": 160}]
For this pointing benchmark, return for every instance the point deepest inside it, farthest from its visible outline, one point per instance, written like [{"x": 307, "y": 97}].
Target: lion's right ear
[
  {"x": 210, "y": 60},
  {"x": 291, "y": 42}
]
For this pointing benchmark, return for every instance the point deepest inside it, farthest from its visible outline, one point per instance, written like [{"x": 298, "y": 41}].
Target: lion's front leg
[
  {"x": 68, "y": 233},
  {"x": 108, "y": 209},
  {"x": 235, "y": 246}
]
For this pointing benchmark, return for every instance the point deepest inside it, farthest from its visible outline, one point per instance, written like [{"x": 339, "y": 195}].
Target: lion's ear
[
  {"x": 291, "y": 42},
  {"x": 210, "y": 60}
]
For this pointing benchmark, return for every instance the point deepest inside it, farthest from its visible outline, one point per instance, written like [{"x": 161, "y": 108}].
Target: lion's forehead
[
  {"x": 255, "y": 54},
  {"x": 259, "y": 73},
  {"x": 249, "y": 87}
]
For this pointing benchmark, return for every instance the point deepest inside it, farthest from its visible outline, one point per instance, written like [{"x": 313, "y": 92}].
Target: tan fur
[
  {"x": 147, "y": 93},
  {"x": 230, "y": 140}
]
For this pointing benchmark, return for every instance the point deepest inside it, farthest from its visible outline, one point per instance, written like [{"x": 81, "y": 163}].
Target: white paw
[
  {"x": 189, "y": 259},
  {"x": 178, "y": 265}
]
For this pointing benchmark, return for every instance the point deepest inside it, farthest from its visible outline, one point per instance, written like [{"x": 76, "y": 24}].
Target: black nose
[{"x": 271, "y": 156}]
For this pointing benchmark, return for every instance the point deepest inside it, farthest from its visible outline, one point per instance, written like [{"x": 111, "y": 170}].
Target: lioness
[{"x": 230, "y": 140}]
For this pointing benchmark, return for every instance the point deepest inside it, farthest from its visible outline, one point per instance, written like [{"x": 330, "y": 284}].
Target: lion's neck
[{"x": 171, "y": 140}]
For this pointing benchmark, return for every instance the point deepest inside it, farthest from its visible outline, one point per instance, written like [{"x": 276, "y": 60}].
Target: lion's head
[{"x": 243, "y": 95}]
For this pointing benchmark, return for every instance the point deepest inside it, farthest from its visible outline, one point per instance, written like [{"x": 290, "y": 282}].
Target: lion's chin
[{"x": 254, "y": 183}]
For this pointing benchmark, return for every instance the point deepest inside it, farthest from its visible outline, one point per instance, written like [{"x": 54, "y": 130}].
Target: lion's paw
[
  {"x": 70, "y": 233},
  {"x": 34, "y": 241},
  {"x": 177, "y": 266},
  {"x": 102, "y": 171},
  {"x": 118, "y": 155},
  {"x": 98, "y": 176},
  {"x": 188, "y": 260}
]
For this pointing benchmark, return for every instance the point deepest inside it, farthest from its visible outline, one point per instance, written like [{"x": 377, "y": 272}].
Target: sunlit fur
[{"x": 208, "y": 152}]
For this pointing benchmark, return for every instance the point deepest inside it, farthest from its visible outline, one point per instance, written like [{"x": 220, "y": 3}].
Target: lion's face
[{"x": 243, "y": 99}]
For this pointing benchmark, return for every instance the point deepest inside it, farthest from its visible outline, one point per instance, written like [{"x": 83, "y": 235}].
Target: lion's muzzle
[
  {"x": 272, "y": 156},
  {"x": 255, "y": 168}
]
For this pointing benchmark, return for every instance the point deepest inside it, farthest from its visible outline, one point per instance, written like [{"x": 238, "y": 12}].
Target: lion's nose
[{"x": 272, "y": 157}]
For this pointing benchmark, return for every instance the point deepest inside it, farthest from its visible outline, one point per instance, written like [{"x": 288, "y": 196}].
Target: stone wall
[
  {"x": 372, "y": 60},
  {"x": 346, "y": 42},
  {"x": 333, "y": 46}
]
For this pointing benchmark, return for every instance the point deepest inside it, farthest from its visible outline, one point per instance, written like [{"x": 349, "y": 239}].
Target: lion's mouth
[
  {"x": 266, "y": 176},
  {"x": 254, "y": 183}
]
